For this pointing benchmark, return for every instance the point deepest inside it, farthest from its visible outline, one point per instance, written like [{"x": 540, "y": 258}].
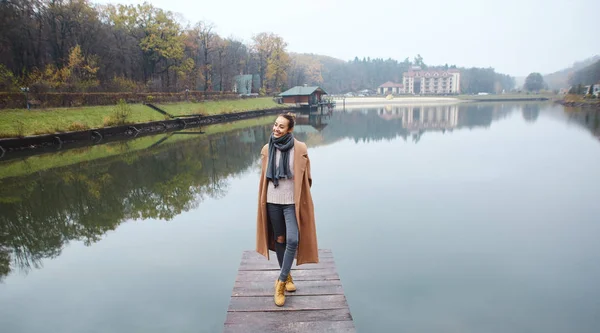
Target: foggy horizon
[{"x": 513, "y": 37}]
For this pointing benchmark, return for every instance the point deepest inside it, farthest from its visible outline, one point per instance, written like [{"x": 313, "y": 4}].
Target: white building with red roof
[
  {"x": 390, "y": 88},
  {"x": 431, "y": 82}
]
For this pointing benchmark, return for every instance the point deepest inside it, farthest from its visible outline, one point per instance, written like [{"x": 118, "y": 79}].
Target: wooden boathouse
[{"x": 304, "y": 96}]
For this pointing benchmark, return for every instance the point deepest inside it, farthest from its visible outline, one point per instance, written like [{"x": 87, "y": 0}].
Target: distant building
[
  {"x": 592, "y": 89},
  {"x": 390, "y": 88},
  {"x": 431, "y": 82},
  {"x": 586, "y": 90},
  {"x": 424, "y": 82},
  {"x": 246, "y": 84}
]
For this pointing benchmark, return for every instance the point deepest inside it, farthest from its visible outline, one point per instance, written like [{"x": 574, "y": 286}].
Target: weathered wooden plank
[
  {"x": 293, "y": 327},
  {"x": 271, "y": 265},
  {"x": 292, "y": 303},
  {"x": 321, "y": 251},
  {"x": 288, "y": 316},
  {"x": 266, "y": 288},
  {"x": 319, "y": 304},
  {"x": 256, "y": 255},
  {"x": 274, "y": 265},
  {"x": 259, "y": 266},
  {"x": 274, "y": 262},
  {"x": 298, "y": 275}
]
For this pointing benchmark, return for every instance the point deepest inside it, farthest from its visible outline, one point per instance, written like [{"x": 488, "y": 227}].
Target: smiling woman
[
  {"x": 282, "y": 217},
  {"x": 495, "y": 224}
]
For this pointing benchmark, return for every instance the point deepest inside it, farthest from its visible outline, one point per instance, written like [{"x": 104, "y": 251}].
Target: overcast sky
[{"x": 515, "y": 37}]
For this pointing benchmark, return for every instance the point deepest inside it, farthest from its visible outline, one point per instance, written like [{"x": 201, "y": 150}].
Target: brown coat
[{"x": 307, "y": 244}]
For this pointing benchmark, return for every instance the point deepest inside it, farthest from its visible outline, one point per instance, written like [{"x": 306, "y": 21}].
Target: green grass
[
  {"x": 38, "y": 163},
  {"x": 219, "y": 107},
  {"x": 20, "y": 122}
]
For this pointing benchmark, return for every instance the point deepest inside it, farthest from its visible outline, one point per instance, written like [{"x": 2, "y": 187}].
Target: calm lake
[{"x": 453, "y": 218}]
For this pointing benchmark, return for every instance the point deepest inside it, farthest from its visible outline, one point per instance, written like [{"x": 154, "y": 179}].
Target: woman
[{"x": 285, "y": 222}]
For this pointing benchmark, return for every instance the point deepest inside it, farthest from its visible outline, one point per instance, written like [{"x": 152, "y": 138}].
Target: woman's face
[{"x": 280, "y": 128}]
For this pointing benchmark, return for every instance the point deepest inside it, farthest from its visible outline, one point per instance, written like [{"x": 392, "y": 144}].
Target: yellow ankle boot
[
  {"x": 279, "y": 293},
  {"x": 289, "y": 284}
]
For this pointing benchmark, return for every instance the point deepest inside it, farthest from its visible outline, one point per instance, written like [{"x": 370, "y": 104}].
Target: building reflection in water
[
  {"x": 417, "y": 119},
  {"x": 423, "y": 117},
  {"x": 315, "y": 120}
]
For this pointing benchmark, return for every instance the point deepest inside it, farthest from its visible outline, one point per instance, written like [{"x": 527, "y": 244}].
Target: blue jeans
[{"x": 285, "y": 226}]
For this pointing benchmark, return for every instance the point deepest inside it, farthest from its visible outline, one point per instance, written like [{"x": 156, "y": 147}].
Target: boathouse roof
[{"x": 302, "y": 91}]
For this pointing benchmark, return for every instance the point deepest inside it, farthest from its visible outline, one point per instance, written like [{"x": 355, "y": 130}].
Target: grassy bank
[
  {"x": 580, "y": 100},
  {"x": 219, "y": 107},
  {"x": 20, "y": 122},
  {"x": 38, "y": 163}
]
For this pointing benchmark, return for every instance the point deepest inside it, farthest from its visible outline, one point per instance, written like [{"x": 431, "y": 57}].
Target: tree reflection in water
[{"x": 42, "y": 211}]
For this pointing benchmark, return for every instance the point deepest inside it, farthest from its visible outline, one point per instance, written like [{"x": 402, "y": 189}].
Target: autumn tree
[
  {"x": 305, "y": 69},
  {"x": 158, "y": 35},
  {"x": 142, "y": 47},
  {"x": 8, "y": 82},
  {"x": 221, "y": 46},
  {"x": 81, "y": 71},
  {"x": 272, "y": 60},
  {"x": 163, "y": 41},
  {"x": 125, "y": 56},
  {"x": 206, "y": 36},
  {"x": 277, "y": 65},
  {"x": 78, "y": 74}
]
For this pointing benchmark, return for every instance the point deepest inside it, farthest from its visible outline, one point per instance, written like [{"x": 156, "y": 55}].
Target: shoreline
[
  {"x": 18, "y": 147},
  {"x": 396, "y": 100},
  {"x": 586, "y": 104},
  {"x": 365, "y": 102},
  {"x": 440, "y": 99},
  {"x": 22, "y": 122}
]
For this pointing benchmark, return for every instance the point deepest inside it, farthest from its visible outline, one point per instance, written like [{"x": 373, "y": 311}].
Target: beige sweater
[{"x": 284, "y": 193}]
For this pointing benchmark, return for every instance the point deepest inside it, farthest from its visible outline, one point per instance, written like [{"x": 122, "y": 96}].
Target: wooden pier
[{"x": 319, "y": 304}]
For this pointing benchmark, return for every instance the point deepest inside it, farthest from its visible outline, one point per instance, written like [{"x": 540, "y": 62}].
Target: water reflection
[
  {"x": 42, "y": 211},
  {"x": 417, "y": 117},
  {"x": 586, "y": 118},
  {"x": 530, "y": 112},
  {"x": 412, "y": 121}
]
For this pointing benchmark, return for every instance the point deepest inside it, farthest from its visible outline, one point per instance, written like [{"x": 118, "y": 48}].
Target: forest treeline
[{"x": 79, "y": 46}]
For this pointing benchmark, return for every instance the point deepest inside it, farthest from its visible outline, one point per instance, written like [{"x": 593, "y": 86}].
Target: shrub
[
  {"x": 8, "y": 82},
  {"x": 77, "y": 126},
  {"x": 20, "y": 127},
  {"x": 120, "y": 115},
  {"x": 120, "y": 83}
]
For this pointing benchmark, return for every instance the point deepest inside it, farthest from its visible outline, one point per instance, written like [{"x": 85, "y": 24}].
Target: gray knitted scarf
[{"x": 283, "y": 144}]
